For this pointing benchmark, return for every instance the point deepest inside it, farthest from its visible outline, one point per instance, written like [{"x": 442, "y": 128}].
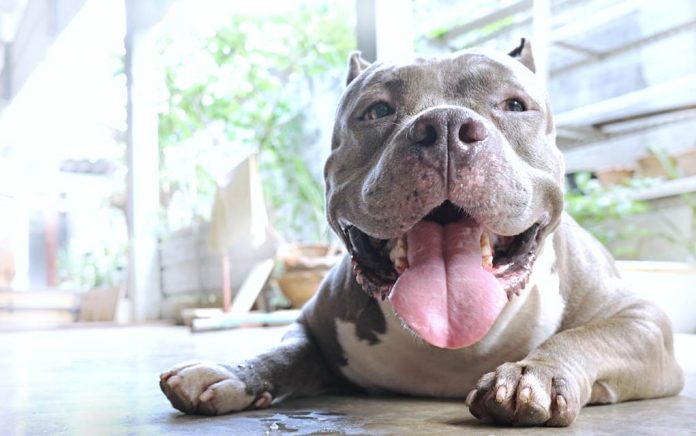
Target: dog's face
[{"x": 443, "y": 181}]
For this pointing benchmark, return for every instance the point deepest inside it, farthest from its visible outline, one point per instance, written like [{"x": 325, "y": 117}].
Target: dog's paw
[
  {"x": 208, "y": 389},
  {"x": 525, "y": 394}
]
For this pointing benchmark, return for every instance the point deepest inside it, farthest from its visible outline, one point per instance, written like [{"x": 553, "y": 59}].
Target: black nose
[{"x": 452, "y": 125}]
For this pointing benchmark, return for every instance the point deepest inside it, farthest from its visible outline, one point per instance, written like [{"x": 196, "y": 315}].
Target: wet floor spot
[
  {"x": 282, "y": 428},
  {"x": 301, "y": 422}
]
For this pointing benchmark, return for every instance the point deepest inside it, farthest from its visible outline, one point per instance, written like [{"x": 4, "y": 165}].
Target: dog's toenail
[
  {"x": 206, "y": 396},
  {"x": 501, "y": 394},
  {"x": 525, "y": 394},
  {"x": 263, "y": 401},
  {"x": 470, "y": 398}
]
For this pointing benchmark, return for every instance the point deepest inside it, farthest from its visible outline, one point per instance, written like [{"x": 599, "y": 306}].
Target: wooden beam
[
  {"x": 577, "y": 49},
  {"x": 632, "y": 45},
  {"x": 497, "y": 14},
  {"x": 593, "y": 20},
  {"x": 675, "y": 94}
]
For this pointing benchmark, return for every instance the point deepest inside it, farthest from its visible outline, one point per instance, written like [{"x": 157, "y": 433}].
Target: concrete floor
[{"x": 104, "y": 381}]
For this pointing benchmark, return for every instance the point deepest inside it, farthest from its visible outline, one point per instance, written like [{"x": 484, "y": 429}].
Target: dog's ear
[
  {"x": 523, "y": 53},
  {"x": 356, "y": 65}
]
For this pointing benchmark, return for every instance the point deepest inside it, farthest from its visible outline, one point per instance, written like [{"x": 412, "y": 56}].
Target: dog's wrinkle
[{"x": 395, "y": 85}]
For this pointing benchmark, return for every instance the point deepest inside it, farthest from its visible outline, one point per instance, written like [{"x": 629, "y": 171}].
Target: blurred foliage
[
  {"x": 101, "y": 266},
  {"x": 442, "y": 34},
  {"x": 249, "y": 87},
  {"x": 669, "y": 164},
  {"x": 602, "y": 211}
]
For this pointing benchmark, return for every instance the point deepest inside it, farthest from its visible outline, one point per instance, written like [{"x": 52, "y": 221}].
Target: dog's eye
[
  {"x": 378, "y": 110},
  {"x": 514, "y": 105}
]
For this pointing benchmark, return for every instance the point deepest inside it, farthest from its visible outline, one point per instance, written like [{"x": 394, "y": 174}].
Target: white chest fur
[{"x": 401, "y": 362}]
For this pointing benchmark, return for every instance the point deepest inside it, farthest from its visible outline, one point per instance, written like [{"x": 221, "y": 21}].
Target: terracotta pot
[
  {"x": 307, "y": 256},
  {"x": 300, "y": 286},
  {"x": 614, "y": 175},
  {"x": 305, "y": 266},
  {"x": 7, "y": 265},
  {"x": 99, "y": 304},
  {"x": 686, "y": 162},
  {"x": 649, "y": 166}
]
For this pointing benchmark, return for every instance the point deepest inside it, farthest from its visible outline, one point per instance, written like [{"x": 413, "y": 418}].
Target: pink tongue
[{"x": 445, "y": 296}]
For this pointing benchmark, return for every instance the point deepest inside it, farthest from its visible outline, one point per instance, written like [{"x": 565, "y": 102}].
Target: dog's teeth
[
  {"x": 486, "y": 251},
  {"x": 398, "y": 255},
  {"x": 359, "y": 278}
]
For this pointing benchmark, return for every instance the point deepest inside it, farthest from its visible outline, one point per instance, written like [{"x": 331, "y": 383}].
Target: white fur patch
[
  {"x": 402, "y": 362},
  {"x": 229, "y": 395},
  {"x": 211, "y": 383}
]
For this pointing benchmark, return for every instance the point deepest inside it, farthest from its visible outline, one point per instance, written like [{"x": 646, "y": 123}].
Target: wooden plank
[
  {"x": 204, "y": 276},
  {"x": 39, "y": 300},
  {"x": 220, "y": 321},
  {"x": 497, "y": 14},
  {"x": 591, "y": 21},
  {"x": 668, "y": 188},
  {"x": 677, "y": 93},
  {"x": 632, "y": 45},
  {"x": 252, "y": 287}
]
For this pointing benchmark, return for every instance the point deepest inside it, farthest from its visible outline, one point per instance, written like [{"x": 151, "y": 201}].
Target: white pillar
[
  {"x": 143, "y": 74},
  {"x": 385, "y": 29},
  {"x": 541, "y": 27},
  {"x": 394, "y": 29}
]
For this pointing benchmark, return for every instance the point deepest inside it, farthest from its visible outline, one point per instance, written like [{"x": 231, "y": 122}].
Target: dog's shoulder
[
  {"x": 590, "y": 283},
  {"x": 340, "y": 298}
]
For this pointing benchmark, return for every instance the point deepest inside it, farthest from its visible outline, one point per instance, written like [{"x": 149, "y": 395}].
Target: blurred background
[{"x": 162, "y": 160}]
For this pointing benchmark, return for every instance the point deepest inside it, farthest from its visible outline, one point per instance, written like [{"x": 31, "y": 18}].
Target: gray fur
[{"x": 537, "y": 367}]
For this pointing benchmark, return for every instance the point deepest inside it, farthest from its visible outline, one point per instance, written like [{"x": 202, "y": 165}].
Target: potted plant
[
  {"x": 686, "y": 162},
  {"x": 100, "y": 270},
  {"x": 304, "y": 266}
]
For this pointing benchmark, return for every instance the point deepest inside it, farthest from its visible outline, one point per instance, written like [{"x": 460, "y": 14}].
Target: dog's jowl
[{"x": 463, "y": 277}]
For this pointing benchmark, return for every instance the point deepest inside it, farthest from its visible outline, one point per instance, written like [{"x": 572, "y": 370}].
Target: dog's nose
[
  {"x": 425, "y": 132},
  {"x": 447, "y": 125},
  {"x": 471, "y": 131}
]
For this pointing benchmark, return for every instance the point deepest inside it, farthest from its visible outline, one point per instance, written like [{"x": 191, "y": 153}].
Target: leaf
[{"x": 261, "y": 75}]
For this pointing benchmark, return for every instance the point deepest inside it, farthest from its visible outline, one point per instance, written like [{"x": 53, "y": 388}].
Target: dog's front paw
[
  {"x": 525, "y": 393},
  {"x": 208, "y": 389}
]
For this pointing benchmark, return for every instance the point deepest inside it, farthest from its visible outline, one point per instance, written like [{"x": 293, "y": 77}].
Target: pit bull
[{"x": 463, "y": 277}]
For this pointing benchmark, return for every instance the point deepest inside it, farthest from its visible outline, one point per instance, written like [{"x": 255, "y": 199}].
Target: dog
[{"x": 463, "y": 276}]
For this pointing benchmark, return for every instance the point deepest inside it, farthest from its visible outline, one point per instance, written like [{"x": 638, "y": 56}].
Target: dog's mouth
[{"x": 448, "y": 277}]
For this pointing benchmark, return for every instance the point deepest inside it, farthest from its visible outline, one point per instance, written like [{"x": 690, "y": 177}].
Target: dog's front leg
[
  {"x": 294, "y": 368},
  {"x": 624, "y": 357}
]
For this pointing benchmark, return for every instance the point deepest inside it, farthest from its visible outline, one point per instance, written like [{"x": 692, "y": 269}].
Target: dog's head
[{"x": 443, "y": 181}]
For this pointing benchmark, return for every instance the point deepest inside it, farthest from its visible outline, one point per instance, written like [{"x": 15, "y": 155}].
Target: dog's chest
[{"x": 401, "y": 362}]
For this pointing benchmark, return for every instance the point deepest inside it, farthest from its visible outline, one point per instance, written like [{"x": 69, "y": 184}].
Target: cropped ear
[
  {"x": 523, "y": 53},
  {"x": 356, "y": 65}
]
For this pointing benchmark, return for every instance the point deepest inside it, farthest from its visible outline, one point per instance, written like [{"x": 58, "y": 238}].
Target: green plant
[
  {"x": 602, "y": 211},
  {"x": 100, "y": 266},
  {"x": 670, "y": 167},
  {"x": 443, "y": 32},
  {"x": 250, "y": 87}
]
